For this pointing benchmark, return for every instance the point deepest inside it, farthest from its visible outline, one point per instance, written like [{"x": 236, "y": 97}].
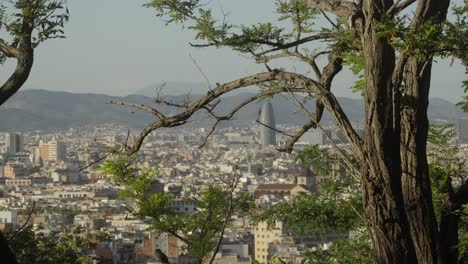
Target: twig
[
  {"x": 270, "y": 127},
  {"x": 26, "y": 222},
  {"x": 354, "y": 171},
  {"x": 227, "y": 217},
  {"x": 201, "y": 71}
]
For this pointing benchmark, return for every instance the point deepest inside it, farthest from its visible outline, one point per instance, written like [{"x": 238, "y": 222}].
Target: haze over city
[{"x": 117, "y": 47}]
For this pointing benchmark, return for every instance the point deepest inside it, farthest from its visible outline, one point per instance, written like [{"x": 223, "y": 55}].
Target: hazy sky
[{"x": 118, "y": 47}]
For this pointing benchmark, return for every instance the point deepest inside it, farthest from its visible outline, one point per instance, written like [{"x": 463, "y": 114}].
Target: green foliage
[
  {"x": 200, "y": 231},
  {"x": 455, "y": 39},
  {"x": 45, "y": 17},
  {"x": 429, "y": 39},
  {"x": 299, "y": 17},
  {"x": 30, "y": 247},
  {"x": 355, "y": 61},
  {"x": 318, "y": 158},
  {"x": 445, "y": 169},
  {"x": 316, "y": 215},
  {"x": 337, "y": 210},
  {"x": 354, "y": 250},
  {"x": 464, "y": 103},
  {"x": 443, "y": 164}
]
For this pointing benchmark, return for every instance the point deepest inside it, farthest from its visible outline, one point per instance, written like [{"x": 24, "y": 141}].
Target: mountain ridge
[{"x": 51, "y": 110}]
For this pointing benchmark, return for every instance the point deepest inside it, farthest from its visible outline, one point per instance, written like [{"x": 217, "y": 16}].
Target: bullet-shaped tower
[{"x": 268, "y": 135}]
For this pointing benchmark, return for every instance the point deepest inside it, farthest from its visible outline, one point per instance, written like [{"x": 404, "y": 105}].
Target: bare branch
[
  {"x": 270, "y": 127},
  {"x": 399, "y": 6},
  {"x": 228, "y": 116},
  {"x": 190, "y": 109},
  {"x": 239, "y": 107},
  {"x": 354, "y": 171},
  {"x": 340, "y": 8},
  {"x": 139, "y": 106},
  {"x": 279, "y": 46},
  {"x": 330, "y": 102},
  {"x": 329, "y": 19},
  {"x": 329, "y": 72},
  {"x": 286, "y": 54},
  {"x": 9, "y": 51},
  {"x": 229, "y": 212},
  {"x": 306, "y": 85},
  {"x": 94, "y": 162},
  {"x": 30, "y": 214},
  {"x": 201, "y": 71},
  {"x": 294, "y": 138},
  {"x": 100, "y": 159}
]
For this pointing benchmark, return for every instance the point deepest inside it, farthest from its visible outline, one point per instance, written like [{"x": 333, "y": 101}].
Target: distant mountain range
[{"x": 46, "y": 110}]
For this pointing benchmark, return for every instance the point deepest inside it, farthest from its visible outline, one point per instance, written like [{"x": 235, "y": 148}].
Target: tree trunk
[
  {"x": 416, "y": 185},
  {"x": 381, "y": 181},
  {"x": 19, "y": 76},
  {"x": 6, "y": 254},
  {"x": 448, "y": 228}
]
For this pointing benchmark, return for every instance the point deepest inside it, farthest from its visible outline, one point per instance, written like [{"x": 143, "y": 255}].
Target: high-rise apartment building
[
  {"x": 14, "y": 143},
  {"x": 263, "y": 236},
  {"x": 268, "y": 134},
  {"x": 57, "y": 151},
  {"x": 53, "y": 151}
]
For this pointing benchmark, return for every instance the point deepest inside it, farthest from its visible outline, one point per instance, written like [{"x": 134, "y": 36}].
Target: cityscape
[
  {"x": 224, "y": 132},
  {"x": 59, "y": 173}
]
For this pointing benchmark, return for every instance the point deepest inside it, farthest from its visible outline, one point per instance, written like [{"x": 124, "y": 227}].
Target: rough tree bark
[
  {"x": 416, "y": 185},
  {"x": 19, "y": 76},
  {"x": 381, "y": 182}
]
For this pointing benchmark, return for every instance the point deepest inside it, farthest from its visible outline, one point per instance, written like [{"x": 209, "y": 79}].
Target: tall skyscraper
[
  {"x": 463, "y": 131},
  {"x": 14, "y": 143},
  {"x": 57, "y": 151},
  {"x": 268, "y": 135},
  {"x": 53, "y": 151}
]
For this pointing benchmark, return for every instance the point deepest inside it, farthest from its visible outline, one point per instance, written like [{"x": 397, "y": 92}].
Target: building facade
[{"x": 14, "y": 143}]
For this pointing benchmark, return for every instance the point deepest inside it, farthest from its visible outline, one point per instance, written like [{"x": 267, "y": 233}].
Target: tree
[
  {"x": 27, "y": 23},
  {"x": 32, "y": 247},
  {"x": 392, "y": 50},
  {"x": 338, "y": 207},
  {"x": 202, "y": 231}
]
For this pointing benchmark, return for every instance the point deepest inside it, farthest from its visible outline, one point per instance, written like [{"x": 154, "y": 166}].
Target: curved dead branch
[
  {"x": 303, "y": 84},
  {"x": 24, "y": 55}
]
